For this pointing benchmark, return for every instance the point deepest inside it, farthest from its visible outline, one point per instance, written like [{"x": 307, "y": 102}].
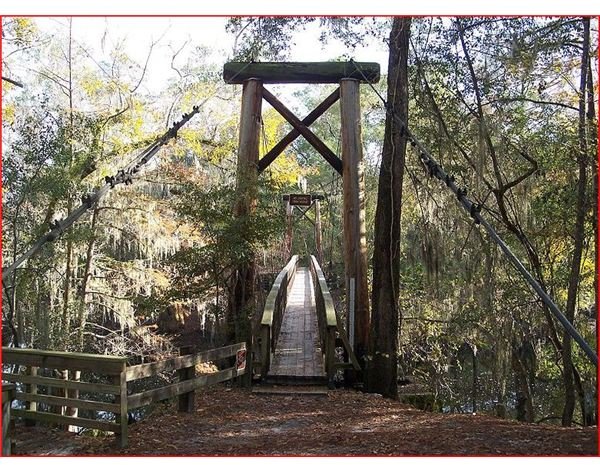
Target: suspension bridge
[{"x": 301, "y": 339}]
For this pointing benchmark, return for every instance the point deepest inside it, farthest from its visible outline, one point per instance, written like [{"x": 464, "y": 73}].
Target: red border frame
[{"x": 317, "y": 16}]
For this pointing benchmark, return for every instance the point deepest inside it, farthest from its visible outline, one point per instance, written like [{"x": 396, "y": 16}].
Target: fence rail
[
  {"x": 188, "y": 381},
  {"x": 183, "y": 361},
  {"x": 105, "y": 364},
  {"x": 64, "y": 392}
]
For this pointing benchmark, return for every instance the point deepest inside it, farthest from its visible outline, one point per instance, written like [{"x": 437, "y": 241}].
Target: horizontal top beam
[
  {"x": 7, "y": 387},
  {"x": 107, "y": 364},
  {"x": 10, "y": 351},
  {"x": 314, "y": 72}
]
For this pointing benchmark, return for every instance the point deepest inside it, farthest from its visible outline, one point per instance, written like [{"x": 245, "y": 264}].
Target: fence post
[
  {"x": 61, "y": 392},
  {"x": 121, "y": 399},
  {"x": 8, "y": 394},
  {"x": 73, "y": 394},
  {"x": 330, "y": 358},
  {"x": 187, "y": 400},
  {"x": 31, "y": 389}
]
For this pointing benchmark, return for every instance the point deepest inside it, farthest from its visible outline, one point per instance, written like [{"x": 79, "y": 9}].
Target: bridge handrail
[
  {"x": 330, "y": 324},
  {"x": 281, "y": 283},
  {"x": 324, "y": 295},
  {"x": 326, "y": 317},
  {"x": 273, "y": 314}
]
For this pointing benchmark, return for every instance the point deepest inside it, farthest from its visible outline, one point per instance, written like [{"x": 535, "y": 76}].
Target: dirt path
[{"x": 230, "y": 421}]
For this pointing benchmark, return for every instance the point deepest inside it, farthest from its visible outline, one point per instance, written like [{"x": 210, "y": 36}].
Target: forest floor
[{"x": 232, "y": 421}]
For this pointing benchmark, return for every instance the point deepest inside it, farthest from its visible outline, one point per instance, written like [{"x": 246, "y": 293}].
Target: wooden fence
[
  {"x": 188, "y": 381},
  {"x": 331, "y": 328},
  {"x": 38, "y": 364},
  {"x": 117, "y": 374},
  {"x": 272, "y": 317}
]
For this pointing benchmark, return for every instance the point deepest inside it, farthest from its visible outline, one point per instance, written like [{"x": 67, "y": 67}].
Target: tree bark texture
[
  {"x": 578, "y": 232},
  {"x": 386, "y": 315},
  {"x": 523, "y": 364}
]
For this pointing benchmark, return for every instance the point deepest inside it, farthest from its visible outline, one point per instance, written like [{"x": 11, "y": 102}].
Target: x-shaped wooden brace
[
  {"x": 301, "y": 128},
  {"x": 304, "y": 213}
]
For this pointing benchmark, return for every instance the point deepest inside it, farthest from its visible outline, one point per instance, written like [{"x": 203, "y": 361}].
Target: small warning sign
[
  {"x": 240, "y": 360},
  {"x": 301, "y": 200}
]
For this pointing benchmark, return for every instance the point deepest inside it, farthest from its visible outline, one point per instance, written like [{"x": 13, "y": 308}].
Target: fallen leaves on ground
[{"x": 232, "y": 421}]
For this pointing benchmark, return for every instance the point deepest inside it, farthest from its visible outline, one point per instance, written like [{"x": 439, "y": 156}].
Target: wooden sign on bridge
[
  {"x": 308, "y": 201},
  {"x": 300, "y": 200}
]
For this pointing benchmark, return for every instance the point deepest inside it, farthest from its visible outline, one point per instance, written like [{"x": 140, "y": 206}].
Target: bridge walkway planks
[{"x": 298, "y": 352}]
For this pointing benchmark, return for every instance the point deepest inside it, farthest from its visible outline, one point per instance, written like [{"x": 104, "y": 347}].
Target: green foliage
[
  {"x": 223, "y": 241},
  {"x": 456, "y": 286},
  {"x": 266, "y": 38},
  {"x": 171, "y": 239}
]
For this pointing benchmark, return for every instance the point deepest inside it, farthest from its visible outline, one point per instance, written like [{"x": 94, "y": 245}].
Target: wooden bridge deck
[{"x": 298, "y": 352}]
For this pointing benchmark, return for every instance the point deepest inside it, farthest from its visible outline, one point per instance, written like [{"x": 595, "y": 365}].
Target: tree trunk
[
  {"x": 318, "y": 232},
  {"x": 475, "y": 387},
  {"x": 386, "y": 316},
  {"x": 289, "y": 232},
  {"x": 87, "y": 272},
  {"x": 523, "y": 363},
  {"x": 578, "y": 233},
  {"x": 590, "y": 416},
  {"x": 65, "y": 322},
  {"x": 68, "y": 266}
]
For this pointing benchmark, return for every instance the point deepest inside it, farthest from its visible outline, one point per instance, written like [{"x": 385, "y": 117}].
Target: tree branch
[
  {"x": 526, "y": 99},
  {"x": 13, "y": 82}
]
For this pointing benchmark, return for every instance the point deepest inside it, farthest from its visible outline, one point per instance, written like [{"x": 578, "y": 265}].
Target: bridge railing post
[
  {"x": 330, "y": 356},
  {"x": 31, "y": 389},
  {"x": 265, "y": 349},
  {"x": 187, "y": 400}
]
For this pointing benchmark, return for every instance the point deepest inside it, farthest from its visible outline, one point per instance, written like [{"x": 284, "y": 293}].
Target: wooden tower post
[
  {"x": 318, "y": 231},
  {"x": 243, "y": 302},
  {"x": 289, "y": 231},
  {"x": 355, "y": 243}
]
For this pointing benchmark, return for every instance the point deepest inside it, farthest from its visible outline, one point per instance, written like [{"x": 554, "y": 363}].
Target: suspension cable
[
  {"x": 435, "y": 170},
  {"x": 123, "y": 176}
]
